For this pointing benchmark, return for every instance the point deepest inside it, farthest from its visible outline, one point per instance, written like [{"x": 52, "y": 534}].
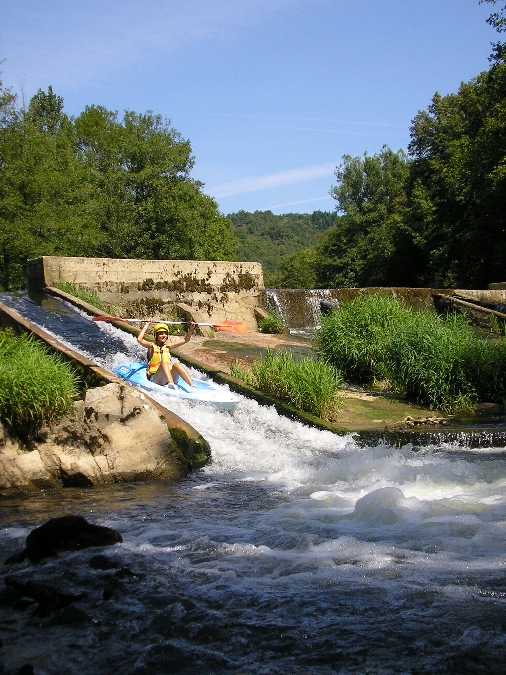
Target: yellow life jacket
[{"x": 158, "y": 355}]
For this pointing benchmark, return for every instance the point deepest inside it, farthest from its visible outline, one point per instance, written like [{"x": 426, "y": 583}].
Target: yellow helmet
[{"x": 160, "y": 328}]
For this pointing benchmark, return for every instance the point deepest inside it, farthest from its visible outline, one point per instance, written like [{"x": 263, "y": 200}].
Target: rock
[
  {"x": 327, "y": 306},
  {"x": 68, "y": 533},
  {"x": 114, "y": 434},
  {"x": 48, "y": 597}
]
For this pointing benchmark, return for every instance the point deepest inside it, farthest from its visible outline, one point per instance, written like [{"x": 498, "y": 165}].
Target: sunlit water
[{"x": 293, "y": 551}]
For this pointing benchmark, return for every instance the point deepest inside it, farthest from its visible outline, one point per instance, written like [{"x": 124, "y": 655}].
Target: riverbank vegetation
[
  {"x": 36, "y": 387},
  {"x": 437, "y": 361},
  {"x": 310, "y": 385},
  {"x": 99, "y": 185}
]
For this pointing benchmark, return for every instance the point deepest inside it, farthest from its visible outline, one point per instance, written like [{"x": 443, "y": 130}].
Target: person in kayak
[{"x": 162, "y": 369}]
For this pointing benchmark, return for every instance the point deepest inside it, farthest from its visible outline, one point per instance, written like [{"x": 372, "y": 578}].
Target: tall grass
[
  {"x": 36, "y": 387},
  {"x": 437, "y": 361},
  {"x": 86, "y": 294},
  {"x": 356, "y": 338},
  {"x": 309, "y": 385}
]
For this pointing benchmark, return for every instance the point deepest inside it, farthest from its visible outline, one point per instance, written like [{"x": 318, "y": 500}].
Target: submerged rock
[
  {"x": 115, "y": 434},
  {"x": 68, "y": 533}
]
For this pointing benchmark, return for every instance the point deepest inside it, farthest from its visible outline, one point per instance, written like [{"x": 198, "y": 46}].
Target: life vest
[{"x": 158, "y": 354}]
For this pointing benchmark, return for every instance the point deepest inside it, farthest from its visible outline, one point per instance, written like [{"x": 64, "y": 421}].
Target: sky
[{"x": 270, "y": 93}]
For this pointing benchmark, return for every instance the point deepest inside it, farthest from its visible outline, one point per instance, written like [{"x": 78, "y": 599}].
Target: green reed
[
  {"x": 36, "y": 386},
  {"x": 355, "y": 339},
  {"x": 437, "y": 361},
  {"x": 309, "y": 385}
]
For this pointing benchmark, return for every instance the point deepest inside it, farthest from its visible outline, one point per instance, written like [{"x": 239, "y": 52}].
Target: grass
[
  {"x": 85, "y": 294},
  {"x": 36, "y": 387},
  {"x": 309, "y": 385},
  {"x": 355, "y": 339},
  {"x": 436, "y": 361},
  {"x": 272, "y": 323}
]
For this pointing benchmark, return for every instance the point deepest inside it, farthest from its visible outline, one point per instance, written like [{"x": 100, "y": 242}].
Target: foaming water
[{"x": 293, "y": 551}]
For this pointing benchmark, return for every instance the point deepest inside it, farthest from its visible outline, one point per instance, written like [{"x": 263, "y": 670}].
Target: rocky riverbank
[{"x": 114, "y": 434}]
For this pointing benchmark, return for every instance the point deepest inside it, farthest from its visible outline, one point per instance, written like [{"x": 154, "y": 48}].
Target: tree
[
  {"x": 371, "y": 243},
  {"x": 99, "y": 186},
  {"x": 457, "y": 193},
  {"x": 498, "y": 21}
]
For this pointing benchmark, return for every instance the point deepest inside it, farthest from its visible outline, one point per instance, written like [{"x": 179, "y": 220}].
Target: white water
[{"x": 296, "y": 551}]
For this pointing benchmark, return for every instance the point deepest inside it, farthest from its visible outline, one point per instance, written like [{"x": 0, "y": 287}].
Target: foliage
[
  {"x": 437, "y": 361},
  {"x": 355, "y": 339},
  {"x": 99, "y": 185},
  {"x": 241, "y": 373},
  {"x": 458, "y": 183},
  {"x": 272, "y": 323},
  {"x": 371, "y": 245},
  {"x": 36, "y": 387},
  {"x": 498, "y": 21},
  {"x": 86, "y": 294},
  {"x": 273, "y": 240},
  {"x": 309, "y": 385}
]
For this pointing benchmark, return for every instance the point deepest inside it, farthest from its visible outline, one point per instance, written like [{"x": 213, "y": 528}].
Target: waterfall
[{"x": 299, "y": 308}]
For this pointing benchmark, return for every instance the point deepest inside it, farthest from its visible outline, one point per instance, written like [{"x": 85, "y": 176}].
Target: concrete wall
[{"x": 215, "y": 290}]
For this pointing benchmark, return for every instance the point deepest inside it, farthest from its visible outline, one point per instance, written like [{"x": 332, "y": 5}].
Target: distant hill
[{"x": 266, "y": 238}]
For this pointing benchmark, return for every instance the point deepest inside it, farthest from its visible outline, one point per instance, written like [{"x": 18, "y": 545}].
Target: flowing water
[{"x": 293, "y": 551}]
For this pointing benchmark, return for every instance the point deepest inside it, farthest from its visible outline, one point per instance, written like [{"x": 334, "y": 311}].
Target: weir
[{"x": 294, "y": 551}]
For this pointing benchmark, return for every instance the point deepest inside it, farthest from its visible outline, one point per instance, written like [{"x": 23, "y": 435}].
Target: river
[{"x": 294, "y": 551}]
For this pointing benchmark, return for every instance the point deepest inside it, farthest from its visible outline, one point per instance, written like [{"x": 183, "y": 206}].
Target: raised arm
[
  {"x": 186, "y": 338},
  {"x": 140, "y": 337}
]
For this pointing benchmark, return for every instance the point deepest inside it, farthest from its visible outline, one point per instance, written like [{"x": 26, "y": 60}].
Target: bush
[
  {"x": 355, "y": 338},
  {"x": 430, "y": 359},
  {"x": 307, "y": 384},
  {"x": 437, "y": 361},
  {"x": 36, "y": 387},
  {"x": 272, "y": 323}
]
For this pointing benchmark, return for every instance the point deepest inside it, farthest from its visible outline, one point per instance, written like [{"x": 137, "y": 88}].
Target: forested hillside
[
  {"x": 267, "y": 238},
  {"x": 99, "y": 185}
]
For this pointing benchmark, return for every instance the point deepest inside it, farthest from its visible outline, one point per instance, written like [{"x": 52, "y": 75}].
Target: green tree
[
  {"x": 457, "y": 192},
  {"x": 371, "y": 243},
  {"x": 498, "y": 21},
  {"x": 99, "y": 186}
]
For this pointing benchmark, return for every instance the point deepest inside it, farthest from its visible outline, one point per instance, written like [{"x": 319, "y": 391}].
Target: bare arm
[
  {"x": 140, "y": 337},
  {"x": 186, "y": 338}
]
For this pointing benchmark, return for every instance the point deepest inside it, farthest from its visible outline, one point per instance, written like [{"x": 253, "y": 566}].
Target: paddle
[{"x": 227, "y": 326}]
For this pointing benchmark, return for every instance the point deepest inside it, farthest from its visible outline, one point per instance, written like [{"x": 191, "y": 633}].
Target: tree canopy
[{"x": 99, "y": 185}]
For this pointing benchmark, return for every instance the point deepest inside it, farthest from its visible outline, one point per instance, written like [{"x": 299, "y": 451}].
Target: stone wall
[{"x": 215, "y": 290}]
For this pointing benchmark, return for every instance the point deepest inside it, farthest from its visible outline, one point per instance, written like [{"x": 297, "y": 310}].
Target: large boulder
[{"x": 114, "y": 434}]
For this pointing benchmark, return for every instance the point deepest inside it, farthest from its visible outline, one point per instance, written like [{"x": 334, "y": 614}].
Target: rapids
[{"x": 293, "y": 551}]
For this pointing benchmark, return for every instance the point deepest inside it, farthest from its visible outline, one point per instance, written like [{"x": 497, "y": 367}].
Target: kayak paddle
[{"x": 227, "y": 326}]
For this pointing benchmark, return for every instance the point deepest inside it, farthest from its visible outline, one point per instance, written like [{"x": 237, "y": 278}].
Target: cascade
[
  {"x": 294, "y": 551},
  {"x": 300, "y": 308}
]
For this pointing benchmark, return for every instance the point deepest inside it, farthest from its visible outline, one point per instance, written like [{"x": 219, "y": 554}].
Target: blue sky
[{"x": 271, "y": 93}]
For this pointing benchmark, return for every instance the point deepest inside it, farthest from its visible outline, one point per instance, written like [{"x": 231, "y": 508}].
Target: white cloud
[{"x": 272, "y": 180}]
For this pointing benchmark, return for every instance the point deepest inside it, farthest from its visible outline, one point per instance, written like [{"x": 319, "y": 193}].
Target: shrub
[
  {"x": 36, "y": 387},
  {"x": 430, "y": 358},
  {"x": 272, "y": 323},
  {"x": 307, "y": 384},
  {"x": 355, "y": 338},
  {"x": 437, "y": 361}
]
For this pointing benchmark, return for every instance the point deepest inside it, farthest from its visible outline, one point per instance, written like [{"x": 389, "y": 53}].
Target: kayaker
[{"x": 162, "y": 369}]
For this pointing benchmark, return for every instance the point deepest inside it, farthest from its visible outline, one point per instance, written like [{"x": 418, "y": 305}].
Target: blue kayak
[{"x": 205, "y": 391}]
